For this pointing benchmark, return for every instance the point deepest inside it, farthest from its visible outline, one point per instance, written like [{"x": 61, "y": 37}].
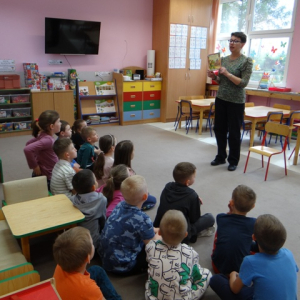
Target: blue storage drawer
[
  {"x": 151, "y": 114},
  {"x": 132, "y": 115}
]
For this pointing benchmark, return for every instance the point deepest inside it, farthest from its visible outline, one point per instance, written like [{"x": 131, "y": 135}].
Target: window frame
[{"x": 287, "y": 32}]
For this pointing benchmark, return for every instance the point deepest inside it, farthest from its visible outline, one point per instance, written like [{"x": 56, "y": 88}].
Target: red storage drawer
[
  {"x": 152, "y": 95},
  {"x": 11, "y": 81},
  {"x": 132, "y": 96}
]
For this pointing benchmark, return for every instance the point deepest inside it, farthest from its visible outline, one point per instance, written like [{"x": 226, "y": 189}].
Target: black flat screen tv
[{"x": 63, "y": 36}]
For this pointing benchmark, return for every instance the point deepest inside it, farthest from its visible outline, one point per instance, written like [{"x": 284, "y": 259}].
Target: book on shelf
[
  {"x": 105, "y": 88},
  {"x": 83, "y": 90},
  {"x": 105, "y": 105},
  {"x": 214, "y": 61}
]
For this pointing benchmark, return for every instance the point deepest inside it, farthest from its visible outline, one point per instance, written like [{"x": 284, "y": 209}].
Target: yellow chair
[
  {"x": 186, "y": 110},
  {"x": 276, "y": 128},
  {"x": 25, "y": 189}
]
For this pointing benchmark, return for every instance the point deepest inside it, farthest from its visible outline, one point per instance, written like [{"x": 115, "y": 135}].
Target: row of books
[
  {"x": 94, "y": 120},
  {"x": 101, "y": 88}
]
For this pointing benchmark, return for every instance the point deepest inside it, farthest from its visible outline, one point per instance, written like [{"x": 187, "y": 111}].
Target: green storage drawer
[
  {"x": 151, "y": 104},
  {"x": 131, "y": 106}
]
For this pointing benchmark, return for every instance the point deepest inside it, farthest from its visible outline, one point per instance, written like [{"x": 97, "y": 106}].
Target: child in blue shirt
[
  {"x": 269, "y": 274},
  {"x": 127, "y": 231}
]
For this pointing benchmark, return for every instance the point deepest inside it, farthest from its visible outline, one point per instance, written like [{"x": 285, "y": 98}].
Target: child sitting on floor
[
  {"x": 77, "y": 127},
  {"x": 87, "y": 153},
  {"x": 178, "y": 195},
  {"x": 189, "y": 280},
  {"x": 91, "y": 203},
  {"x": 105, "y": 159},
  {"x": 72, "y": 251},
  {"x": 111, "y": 190},
  {"x": 233, "y": 239},
  {"x": 127, "y": 231},
  {"x": 62, "y": 173}
]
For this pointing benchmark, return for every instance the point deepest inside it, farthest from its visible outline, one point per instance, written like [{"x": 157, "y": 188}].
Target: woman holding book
[{"x": 233, "y": 76}]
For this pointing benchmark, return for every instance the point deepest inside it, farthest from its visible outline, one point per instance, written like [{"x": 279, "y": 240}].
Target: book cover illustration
[
  {"x": 105, "y": 105},
  {"x": 83, "y": 90},
  {"x": 214, "y": 61},
  {"x": 105, "y": 88}
]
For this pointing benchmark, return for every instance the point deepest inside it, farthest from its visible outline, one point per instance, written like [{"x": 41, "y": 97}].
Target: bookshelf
[{"x": 98, "y": 102}]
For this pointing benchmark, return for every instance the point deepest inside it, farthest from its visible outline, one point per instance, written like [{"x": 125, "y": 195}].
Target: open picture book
[{"x": 214, "y": 61}]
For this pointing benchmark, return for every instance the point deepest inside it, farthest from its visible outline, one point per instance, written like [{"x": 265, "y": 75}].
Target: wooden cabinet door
[
  {"x": 180, "y": 11},
  {"x": 176, "y": 87},
  {"x": 41, "y": 101},
  {"x": 201, "y": 12},
  {"x": 64, "y": 105}
]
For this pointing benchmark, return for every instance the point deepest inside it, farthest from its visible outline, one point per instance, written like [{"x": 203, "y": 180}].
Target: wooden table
[
  {"x": 40, "y": 216},
  {"x": 296, "y": 154},
  {"x": 200, "y": 105},
  {"x": 260, "y": 113}
]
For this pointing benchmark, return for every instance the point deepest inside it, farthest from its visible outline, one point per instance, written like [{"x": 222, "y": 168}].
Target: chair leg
[
  {"x": 267, "y": 168},
  {"x": 262, "y": 161},
  {"x": 178, "y": 123},
  {"x": 247, "y": 161},
  {"x": 285, "y": 168},
  {"x": 291, "y": 154},
  {"x": 178, "y": 112}
]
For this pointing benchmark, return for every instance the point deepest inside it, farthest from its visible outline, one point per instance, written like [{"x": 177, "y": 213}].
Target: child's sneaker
[{"x": 207, "y": 232}]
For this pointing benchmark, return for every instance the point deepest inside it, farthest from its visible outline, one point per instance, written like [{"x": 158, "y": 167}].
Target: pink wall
[
  {"x": 293, "y": 80},
  {"x": 23, "y": 25}
]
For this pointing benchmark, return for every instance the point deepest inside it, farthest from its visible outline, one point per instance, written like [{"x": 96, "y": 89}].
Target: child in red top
[{"x": 72, "y": 251}]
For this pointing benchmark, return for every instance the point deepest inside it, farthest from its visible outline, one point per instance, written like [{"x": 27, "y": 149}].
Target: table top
[
  {"x": 39, "y": 215},
  {"x": 200, "y": 102},
  {"x": 262, "y": 111}
]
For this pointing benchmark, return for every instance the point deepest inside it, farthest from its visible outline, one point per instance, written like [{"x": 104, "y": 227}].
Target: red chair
[{"x": 276, "y": 128}]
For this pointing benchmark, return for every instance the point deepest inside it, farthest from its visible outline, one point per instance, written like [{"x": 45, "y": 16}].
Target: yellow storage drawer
[
  {"x": 152, "y": 86},
  {"x": 132, "y": 86}
]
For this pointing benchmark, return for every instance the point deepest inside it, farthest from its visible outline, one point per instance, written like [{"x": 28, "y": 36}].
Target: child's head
[
  {"x": 73, "y": 248},
  {"x": 48, "y": 121},
  {"x": 243, "y": 198},
  {"x": 184, "y": 173},
  {"x": 64, "y": 149},
  {"x": 117, "y": 175},
  {"x": 78, "y": 125},
  {"x": 124, "y": 153},
  {"x": 107, "y": 143},
  {"x": 134, "y": 190},
  {"x": 173, "y": 227},
  {"x": 89, "y": 134},
  {"x": 269, "y": 233},
  {"x": 65, "y": 130},
  {"x": 84, "y": 182}
]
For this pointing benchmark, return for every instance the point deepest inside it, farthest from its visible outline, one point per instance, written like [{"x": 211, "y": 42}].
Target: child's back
[
  {"x": 173, "y": 268},
  {"x": 92, "y": 204},
  {"x": 233, "y": 239}
]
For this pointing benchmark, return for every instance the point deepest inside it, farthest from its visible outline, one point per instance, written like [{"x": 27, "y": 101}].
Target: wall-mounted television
[{"x": 64, "y": 36}]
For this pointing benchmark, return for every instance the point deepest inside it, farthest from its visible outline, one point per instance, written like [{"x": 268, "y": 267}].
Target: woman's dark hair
[
  {"x": 123, "y": 153},
  {"x": 117, "y": 175},
  {"x": 77, "y": 125},
  {"x": 240, "y": 35},
  {"x": 105, "y": 144},
  {"x": 46, "y": 118}
]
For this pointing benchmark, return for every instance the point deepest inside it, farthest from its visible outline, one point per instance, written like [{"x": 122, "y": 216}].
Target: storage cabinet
[
  {"x": 15, "y": 112},
  {"x": 61, "y": 101},
  {"x": 140, "y": 100},
  {"x": 98, "y": 109},
  {"x": 179, "y": 81}
]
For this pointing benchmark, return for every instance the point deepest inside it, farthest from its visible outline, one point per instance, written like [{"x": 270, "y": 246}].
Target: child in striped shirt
[{"x": 62, "y": 174}]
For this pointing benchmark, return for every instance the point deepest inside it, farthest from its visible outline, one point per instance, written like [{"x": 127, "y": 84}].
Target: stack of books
[{"x": 92, "y": 120}]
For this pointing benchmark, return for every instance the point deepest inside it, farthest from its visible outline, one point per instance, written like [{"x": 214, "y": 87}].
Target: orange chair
[{"x": 276, "y": 128}]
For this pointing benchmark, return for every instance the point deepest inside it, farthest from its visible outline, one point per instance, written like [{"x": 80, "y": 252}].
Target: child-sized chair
[{"x": 276, "y": 128}]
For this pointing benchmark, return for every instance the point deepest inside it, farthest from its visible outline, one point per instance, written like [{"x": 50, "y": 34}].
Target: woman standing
[{"x": 233, "y": 77}]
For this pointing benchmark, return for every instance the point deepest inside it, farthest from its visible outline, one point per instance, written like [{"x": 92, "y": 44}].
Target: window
[{"x": 269, "y": 26}]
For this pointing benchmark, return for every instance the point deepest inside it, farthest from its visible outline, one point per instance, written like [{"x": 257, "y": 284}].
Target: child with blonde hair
[
  {"x": 105, "y": 159},
  {"x": 180, "y": 265},
  {"x": 38, "y": 150},
  {"x": 127, "y": 231}
]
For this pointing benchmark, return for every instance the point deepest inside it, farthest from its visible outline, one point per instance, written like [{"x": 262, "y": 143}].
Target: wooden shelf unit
[
  {"x": 87, "y": 107},
  {"x": 15, "y": 119}
]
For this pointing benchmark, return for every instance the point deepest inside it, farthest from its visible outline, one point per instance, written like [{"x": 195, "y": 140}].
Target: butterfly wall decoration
[
  {"x": 282, "y": 44},
  {"x": 273, "y": 49}
]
